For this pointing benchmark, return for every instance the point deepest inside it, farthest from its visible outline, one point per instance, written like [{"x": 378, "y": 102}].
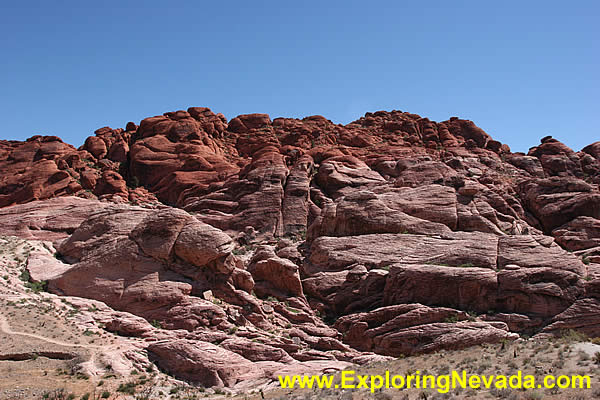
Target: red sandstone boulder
[
  {"x": 465, "y": 288},
  {"x": 578, "y": 234},
  {"x": 124, "y": 256},
  {"x": 556, "y": 201},
  {"x": 51, "y": 220},
  {"x": 413, "y": 328},
  {"x": 557, "y": 159},
  {"x": 95, "y": 146},
  {"x": 118, "y": 152},
  {"x": 593, "y": 149},
  {"x": 527, "y": 163},
  {"x": 336, "y": 173},
  {"x": 201, "y": 244},
  {"x": 275, "y": 276},
  {"x": 383, "y": 250},
  {"x": 543, "y": 292},
  {"x": 582, "y": 316},
  {"x": 203, "y": 363}
]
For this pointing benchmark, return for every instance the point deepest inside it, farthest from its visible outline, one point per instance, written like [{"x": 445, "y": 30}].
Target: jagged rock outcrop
[{"x": 250, "y": 238}]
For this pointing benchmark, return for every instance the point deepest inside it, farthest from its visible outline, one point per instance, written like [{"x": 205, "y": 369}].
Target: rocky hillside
[{"x": 237, "y": 250}]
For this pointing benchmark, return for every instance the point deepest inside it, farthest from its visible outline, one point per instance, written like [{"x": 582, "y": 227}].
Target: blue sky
[{"x": 520, "y": 70}]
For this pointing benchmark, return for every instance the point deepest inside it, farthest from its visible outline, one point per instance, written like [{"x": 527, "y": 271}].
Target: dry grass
[{"x": 535, "y": 357}]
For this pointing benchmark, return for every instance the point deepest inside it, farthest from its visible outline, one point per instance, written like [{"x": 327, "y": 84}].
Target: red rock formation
[
  {"x": 414, "y": 235},
  {"x": 413, "y": 328}
]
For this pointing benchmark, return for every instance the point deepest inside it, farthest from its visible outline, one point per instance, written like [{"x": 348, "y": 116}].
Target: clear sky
[{"x": 520, "y": 69}]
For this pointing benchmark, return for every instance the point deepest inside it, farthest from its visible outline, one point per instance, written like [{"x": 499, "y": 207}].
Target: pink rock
[
  {"x": 542, "y": 292},
  {"x": 414, "y": 328},
  {"x": 582, "y": 316},
  {"x": 579, "y": 233},
  {"x": 331, "y": 254},
  {"x": 465, "y": 288},
  {"x": 203, "y": 363},
  {"x": 276, "y": 276},
  {"x": 50, "y": 220},
  {"x": 533, "y": 251}
]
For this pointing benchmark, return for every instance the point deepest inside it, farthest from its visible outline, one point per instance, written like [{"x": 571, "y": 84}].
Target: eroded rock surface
[{"x": 239, "y": 249}]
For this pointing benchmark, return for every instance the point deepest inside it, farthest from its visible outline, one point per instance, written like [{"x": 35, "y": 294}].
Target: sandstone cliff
[{"x": 303, "y": 244}]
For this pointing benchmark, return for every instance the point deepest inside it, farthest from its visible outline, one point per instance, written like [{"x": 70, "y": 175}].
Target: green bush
[
  {"x": 571, "y": 335},
  {"x": 586, "y": 260},
  {"x": 25, "y": 277},
  {"x": 451, "y": 319},
  {"x": 156, "y": 324},
  {"x": 128, "y": 388}
]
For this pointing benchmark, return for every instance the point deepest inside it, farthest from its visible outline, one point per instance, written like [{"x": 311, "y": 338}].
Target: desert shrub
[
  {"x": 571, "y": 335},
  {"x": 534, "y": 395},
  {"x": 127, "y": 388},
  {"x": 452, "y": 319},
  {"x": 156, "y": 324}
]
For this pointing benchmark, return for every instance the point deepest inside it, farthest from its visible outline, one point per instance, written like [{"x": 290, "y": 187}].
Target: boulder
[
  {"x": 383, "y": 250},
  {"x": 203, "y": 363},
  {"x": 466, "y": 288}
]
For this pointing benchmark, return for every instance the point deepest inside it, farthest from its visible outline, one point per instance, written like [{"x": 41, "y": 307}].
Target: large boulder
[
  {"x": 126, "y": 257},
  {"x": 556, "y": 201},
  {"x": 414, "y": 328},
  {"x": 203, "y": 363},
  {"x": 383, "y": 250},
  {"x": 465, "y": 288},
  {"x": 52, "y": 220}
]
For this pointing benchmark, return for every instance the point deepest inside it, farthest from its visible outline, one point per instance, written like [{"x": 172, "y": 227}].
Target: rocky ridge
[{"x": 289, "y": 245}]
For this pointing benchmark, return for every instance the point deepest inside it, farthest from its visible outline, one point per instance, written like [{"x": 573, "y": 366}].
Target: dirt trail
[
  {"x": 114, "y": 353},
  {"x": 89, "y": 366},
  {"x": 5, "y": 328}
]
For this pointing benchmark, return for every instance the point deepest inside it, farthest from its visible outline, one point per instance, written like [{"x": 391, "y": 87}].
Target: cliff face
[{"x": 393, "y": 234}]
